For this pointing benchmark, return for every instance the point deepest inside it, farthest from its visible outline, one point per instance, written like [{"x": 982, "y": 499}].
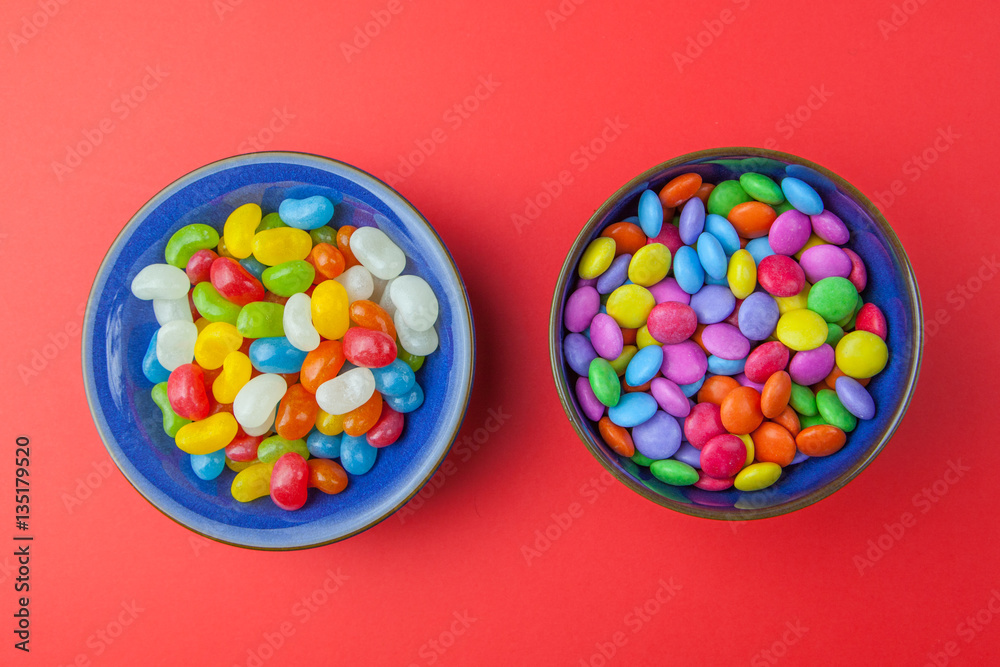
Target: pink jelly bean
[
  {"x": 859, "y": 273},
  {"x": 670, "y": 397},
  {"x": 829, "y": 227},
  {"x": 199, "y": 267},
  {"x": 825, "y": 261},
  {"x": 387, "y": 428},
  {"x": 369, "y": 348},
  {"x": 809, "y": 367},
  {"x": 671, "y": 322},
  {"x": 704, "y": 423},
  {"x": 871, "y": 319},
  {"x": 289, "y": 481},
  {"x": 725, "y": 341},
  {"x": 684, "y": 362},
  {"x": 581, "y": 307},
  {"x": 765, "y": 360},
  {"x": 723, "y": 456},
  {"x": 592, "y": 407},
  {"x": 781, "y": 275},
  {"x": 606, "y": 337},
  {"x": 668, "y": 290},
  {"x": 789, "y": 232}
]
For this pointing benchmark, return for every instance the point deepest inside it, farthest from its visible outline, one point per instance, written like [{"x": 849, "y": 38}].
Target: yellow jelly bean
[
  {"x": 629, "y": 305},
  {"x": 811, "y": 243},
  {"x": 742, "y": 274},
  {"x": 214, "y": 343},
  {"x": 597, "y": 257},
  {"x": 223, "y": 250},
  {"x": 282, "y": 244},
  {"x": 861, "y": 354},
  {"x": 239, "y": 466},
  {"x": 207, "y": 435},
  {"x": 789, "y": 303},
  {"x": 201, "y": 323},
  {"x": 757, "y": 476},
  {"x": 253, "y": 482},
  {"x": 649, "y": 264},
  {"x": 748, "y": 442},
  {"x": 801, "y": 330},
  {"x": 621, "y": 362},
  {"x": 328, "y": 424},
  {"x": 329, "y": 309},
  {"x": 238, "y": 232},
  {"x": 236, "y": 371},
  {"x": 644, "y": 339}
]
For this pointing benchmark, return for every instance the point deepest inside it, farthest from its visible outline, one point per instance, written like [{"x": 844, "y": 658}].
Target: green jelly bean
[
  {"x": 621, "y": 362},
  {"x": 833, "y": 298},
  {"x": 324, "y": 234},
  {"x": 172, "y": 422},
  {"x": 261, "y": 319},
  {"x": 805, "y": 421},
  {"x": 289, "y": 278},
  {"x": 833, "y": 411},
  {"x": 604, "y": 381},
  {"x": 213, "y": 306},
  {"x": 273, "y": 448},
  {"x": 644, "y": 461},
  {"x": 833, "y": 334},
  {"x": 762, "y": 188},
  {"x": 674, "y": 473},
  {"x": 188, "y": 240},
  {"x": 270, "y": 221},
  {"x": 725, "y": 196},
  {"x": 781, "y": 208},
  {"x": 803, "y": 400},
  {"x": 414, "y": 361}
]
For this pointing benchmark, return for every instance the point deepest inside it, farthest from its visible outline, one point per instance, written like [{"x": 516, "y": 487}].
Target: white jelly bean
[
  {"x": 168, "y": 310},
  {"x": 346, "y": 392},
  {"x": 414, "y": 298},
  {"x": 358, "y": 283},
  {"x": 420, "y": 343},
  {"x": 297, "y": 322},
  {"x": 385, "y": 301},
  {"x": 377, "y": 252},
  {"x": 378, "y": 289},
  {"x": 257, "y": 399},
  {"x": 263, "y": 428},
  {"x": 160, "y": 281},
  {"x": 175, "y": 344}
]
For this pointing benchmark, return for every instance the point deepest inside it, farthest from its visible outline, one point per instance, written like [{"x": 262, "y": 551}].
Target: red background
[{"x": 888, "y": 89}]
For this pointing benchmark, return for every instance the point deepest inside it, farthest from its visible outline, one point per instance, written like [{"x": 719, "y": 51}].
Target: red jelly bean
[
  {"x": 186, "y": 392},
  {"x": 702, "y": 424},
  {"x": 234, "y": 282},
  {"x": 199, "y": 267},
  {"x": 387, "y": 429},
  {"x": 765, "y": 360},
  {"x": 290, "y": 481},
  {"x": 369, "y": 348},
  {"x": 243, "y": 447},
  {"x": 671, "y": 322},
  {"x": 781, "y": 275},
  {"x": 871, "y": 319},
  {"x": 723, "y": 456}
]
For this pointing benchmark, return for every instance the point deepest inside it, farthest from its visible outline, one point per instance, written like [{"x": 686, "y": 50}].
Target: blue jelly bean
[
  {"x": 276, "y": 355},
  {"x": 356, "y": 455},
  {"x": 688, "y": 272},
  {"x": 644, "y": 366},
  {"x": 659, "y": 437},
  {"x": 578, "y": 353},
  {"x": 209, "y": 466},
  {"x": 309, "y": 213},
  {"x": 759, "y": 248},
  {"x": 713, "y": 303},
  {"x": 323, "y": 446},
  {"x": 151, "y": 366},
  {"x": 724, "y": 232},
  {"x": 633, "y": 409},
  {"x": 721, "y": 366},
  {"x": 689, "y": 454},
  {"x": 802, "y": 196},
  {"x": 692, "y": 222},
  {"x": 255, "y": 268},
  {"x": 692, "y": 389},
  {"x": 650, "y": 214},
  {"x": 407, "y": 402},
  {"x": 615, "y": 275},
  {"x": 758, "y": 316},
  {"x": 396, "y": 379},
  {"x": 712, "y": 256}
]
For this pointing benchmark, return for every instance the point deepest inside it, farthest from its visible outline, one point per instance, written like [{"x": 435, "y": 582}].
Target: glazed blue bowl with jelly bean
[
  {"x": 118, "y": 364},
  {"x": 736, "y": 333}
]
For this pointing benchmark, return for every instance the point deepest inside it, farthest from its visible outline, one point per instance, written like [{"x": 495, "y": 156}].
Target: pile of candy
[
  {"x": 730, "y": 343},
  {"x": 277, "y": 349}
]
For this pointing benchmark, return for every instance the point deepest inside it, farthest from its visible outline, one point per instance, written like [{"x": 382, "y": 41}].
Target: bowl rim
[
  {"x": 156, "y": 200},
  {"x": 732, "y": 514}
]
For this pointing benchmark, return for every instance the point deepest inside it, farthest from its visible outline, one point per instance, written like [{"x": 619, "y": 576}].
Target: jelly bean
[
  {"x": 830, "y": 228},
  {"x": 630, "y": 305},
  {"x": 236, "y": 371},
  {"x": 724, "y": 233},
  {"x": 243, "y": 448},
  {"x": 628, "y": 237},
  {"x": 789, "y": 232},
  {"x": 208, "y": 466},
  {"x": 327, "y": 476},
  {"x": 802, "y": 330},
  {"x": 606, "y": 337},
  {"x": 322, "y": 364},
  {"x": 674, "y": 473},
  {"x": 688, "y": 271},
  {"x": 581, "y": 307},
  {"x": 283, "y": 244},
  {"x": 644, "y": 366},
  {"x": 187, "y": 393},
  {"x": 597, "y": 257},
  {"x": 265, "y": 426},
  {"x": 589, "y": 403},
  {"x": 274, "y": 447},
  {"x": 199, "y": 267},
  {"x": 347, "y": 391},
  {"x": 362, "y": 418},
  {"x": 309, "y": 213},
  {"x": 680, "y": 189},
  {"x": 671, "y": 322},
  {"x": 742, "y": 274},
  {"x": 152, "y": 369},
  {"x": 296, "y": 413},
  {"x": 256, "y": 401},
  {"x": 168, "y": 310},
  {"x": 854, "y": 397},
  {"x": 276, "y": 355},
  {"x": 861, "y": 354},
  {"x": 757, "y": 476},
  {"x": 214, "y": 343},
  {"x": 252, "y": 482},
  {"x": 703, "y": 423},
  {"x": 758, "y": 316},
  {"x": 762, "y": 188},
  {"x": 289, "y": 278},
  {"x": 720, "y": 366},
  {"x": 692, "y": 221},
  {"x": 802, "y": 196},
  {"x": 239, "y": 230},
  {"x": 296, "y": 321},
  {"x": 809, "y": 367},
  {"x": 415, "y": 342},
  {"x": 160, "y": 281},
  {"x": 368, "y": 348},
  {"x": 725, "y": 341},
  {"x": 833, "y": 411},
  {"x": 725, "y": 196},
  {"x": 766, "y": 359},
  {"x": 207, "y": 435},
  {"x": 659, "y": 437},
  {"x": 711, "y": 256},
  {"x": 328, "y": 424},
  {"x": 408, "y": 402},
  {"x": 740, "y": 411},
  {"x": 824, "y": 261},
  {"x": 327, "y": 261},
  {"x": 871, "y": 319},
  {"x": 330, "y": 309},
  {"x": 859, "y": 274},
  {"x": 323, "y": 446},
  {"x": 188, "y": 240},
  {"x": 752, "y": 219},
  {"x": 344, "y": 245},
  {"x": 649, "y": 265},
  {"x": 369, "y": 315},
  {"x": 324, "y": 234},
  {"x": 773, "y": 443},
  {"x": 394, "y": 379},
  {"x": 172, "y": 422},
  {"x": 253, "y": 267},
  {"x": 415, "y": 300},
  {"x": 670, "y": 397},
  {"x": 387, "y": 428},
  {"x": 820, "y": 440},
  {"x": 713, "y": 303},
  {"x": 289, "y": 485},
  {"x": 615, "y": 276},
  {"x": 650, "y": 213},
  {"x": 414, "y": 361},
  {"x": 358, "y": 282},
  {"x": 356, "y": 455},
  {"x": 604, "y": 382},
  {"x": 834, "y": 298},
  {"x": 781, "y": 276},
  {"x": 212, "y": 305},
  {"x": 616, "y": 437},
  {"x": 723, "y": 456}
]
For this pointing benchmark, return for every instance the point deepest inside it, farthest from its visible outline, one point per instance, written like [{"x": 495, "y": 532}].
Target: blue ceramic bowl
[
  {"x": 118, "y": 327},
  {"x": 892, "y": 286}
]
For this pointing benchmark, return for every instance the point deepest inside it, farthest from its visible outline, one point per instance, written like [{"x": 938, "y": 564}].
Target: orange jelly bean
[
  {"x": 321, "y": 364},
  {"x": 628, "y": 237},
  {"x": 775, "y": 394},
  {"x": 716, "y": 388},
  {"x": 296, "y": 413},
  {"x": 344, "y": 245},
  {"x": 790, "y": 420},
  {"x": 359, "y": 420},
  {"x": 370, "y": 315},
  {"x": 820, "y": 440},
  {"x": 327, "y": 476},
  {"x": 680, "y": 189},
  {"x": 328, "y": 261},
  {"x": 740, "y": 411},
  {"x": 616, "y": 437},
  {"x": 773, "y": 444},
  {"x": 752, "y": 219}
]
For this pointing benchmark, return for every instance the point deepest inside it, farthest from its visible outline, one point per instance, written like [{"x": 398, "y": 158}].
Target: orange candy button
[
  {"x": 680, "y": 189},
  {"x": 628, "y": 237},
  {"x": 752, "y": 219},
  {"x": 820, "y": 440},
  {"x": 775, "y": 394},
  {"x": 740, "y": 411},
  {"x": 774, "y": 444},
  {"x": 790, "y": 420},
  {"x": 616, "y": 437},
  {"x": 716, "y": 388}
]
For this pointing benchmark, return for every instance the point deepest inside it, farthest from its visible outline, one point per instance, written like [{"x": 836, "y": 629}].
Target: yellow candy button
[
  {"x": 802, "y": 330},
  {"x": 596, "y": 258},
  {"x": 861, "y": 354},
  {"x": 649, "y": 264},
  {"x": 629, "y": 305},
  {"x": 742, "y": 274},
  {"x": 757, "y": 476}
]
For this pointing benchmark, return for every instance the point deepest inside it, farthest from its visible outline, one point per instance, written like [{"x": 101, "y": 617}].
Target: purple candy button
[
  {"x": 713, "y": 303},
  {"x": 606, "y": 336},
  {"x": 809, "y": 367},
  {"x": 668, "y": 290},
  {"x": 687, "y": 453},
  {"x": 758, "y": 316},
  {"x": 725, "y": 341},
  {"x": 670, "y": 397},
  {"x": 824, "y": 261},
  {"x": 581, "y": 307},
  {"x": 659, "y": 437},
  {"x": 591, "y": 407},
  {"x": 789, "y": 232},
  {"x": 615, "y": 275},
  {"x": 855, "y": 397},
  {"x": 830, "y": 228},
  {"x": 684, "y": 363},
  {"x": 747, "y": 382},
  {"x": 579, "y": 353}
]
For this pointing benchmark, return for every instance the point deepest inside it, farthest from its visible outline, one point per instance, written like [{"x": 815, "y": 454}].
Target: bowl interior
[
  {"x": 118, "y": 328},
  {"x": 891, "y": 286}
]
